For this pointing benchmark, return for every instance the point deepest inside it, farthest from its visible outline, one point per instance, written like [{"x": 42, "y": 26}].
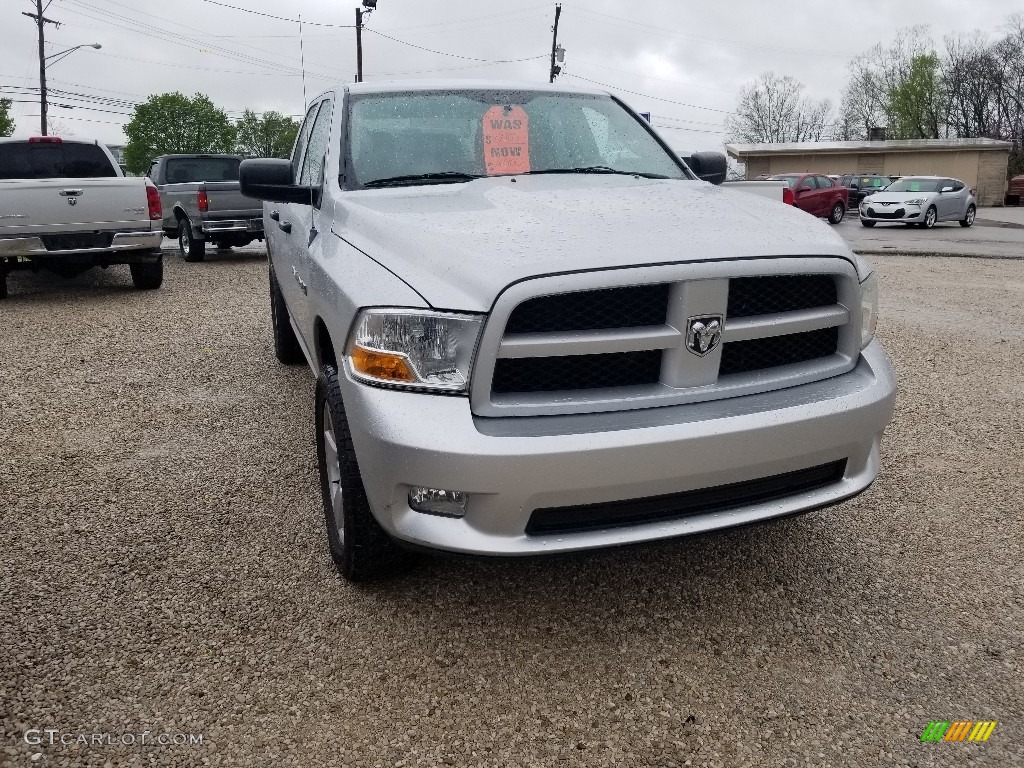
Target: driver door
[{"x": 302, "y": 220}]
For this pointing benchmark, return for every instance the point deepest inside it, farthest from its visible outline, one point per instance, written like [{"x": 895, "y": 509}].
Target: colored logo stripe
[
  {"x": 958, "y": 730},
  {"x": 982, "y": 731}
]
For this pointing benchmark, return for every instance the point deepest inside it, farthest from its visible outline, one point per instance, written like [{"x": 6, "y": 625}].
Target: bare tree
[
  {"x": 973, "y": 81},
  {"x": 773, "y": 109}
]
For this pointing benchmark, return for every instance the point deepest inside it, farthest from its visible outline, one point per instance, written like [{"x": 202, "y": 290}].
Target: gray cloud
[{"x": 687, "y": 59}]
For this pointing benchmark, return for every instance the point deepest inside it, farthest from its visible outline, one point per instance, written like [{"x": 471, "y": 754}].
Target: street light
[{"x": 44, "y": 62}]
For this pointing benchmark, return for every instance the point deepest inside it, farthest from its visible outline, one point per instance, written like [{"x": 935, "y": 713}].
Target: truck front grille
[
  {"x": 775, "y": 351},
  {"x": 77, "y": 241},
  {"x": 625, "y": 347},
  {"x": 750, "y": 296},
  {"x": 552, "y": 374},
  {"x": 632, "y": 306}
]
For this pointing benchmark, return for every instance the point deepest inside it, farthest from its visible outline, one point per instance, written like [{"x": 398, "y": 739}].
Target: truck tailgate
[
  {"x": 227, "y": 201},
  {"x": 30, "y": 206}
]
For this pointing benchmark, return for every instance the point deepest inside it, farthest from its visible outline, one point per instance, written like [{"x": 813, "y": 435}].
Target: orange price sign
[{"x": 506, "y": 140}]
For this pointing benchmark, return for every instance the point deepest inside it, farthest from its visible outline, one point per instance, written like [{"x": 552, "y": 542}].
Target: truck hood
[{"x": 459, "y": 245}]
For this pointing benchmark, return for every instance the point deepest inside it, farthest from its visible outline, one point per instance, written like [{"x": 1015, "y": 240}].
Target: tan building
[{"x": 979, "y": 163}]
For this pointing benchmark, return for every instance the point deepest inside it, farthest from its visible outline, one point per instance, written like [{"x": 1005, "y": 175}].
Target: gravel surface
[{"x": 164, "y": 567}]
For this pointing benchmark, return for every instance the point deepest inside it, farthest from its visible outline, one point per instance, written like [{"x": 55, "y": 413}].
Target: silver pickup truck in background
[
  {"x": 202, "y": 203},
  {"x": 536, "y": 330},
  {"x": 65, "y": 207}
]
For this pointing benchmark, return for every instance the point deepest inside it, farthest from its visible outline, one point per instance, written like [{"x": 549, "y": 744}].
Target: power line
[
  {"x": 649, "y": 96},
  {"x": 278, "y": 18},
  {"x": 453, "y": 55}
]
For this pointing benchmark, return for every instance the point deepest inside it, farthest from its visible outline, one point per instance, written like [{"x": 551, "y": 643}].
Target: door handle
[
  {"x": 286, "y": 226},
  {"x": 275, "y": 215}
]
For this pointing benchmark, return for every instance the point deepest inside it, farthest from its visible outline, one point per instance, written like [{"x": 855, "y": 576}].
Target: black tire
[
  {"x": 968, "y": 220},
  {"x": 836, "y": 214},
  {"x": 931, "y": 216},
  {"x": 148, "y": 275},
  {"x": 360, "y": 548},
  {"x": 865, "y": 223},
  {"x": 3, "y": 285},
  {"x": 191, "y": 248},
  {"x": 286, "y": 344}
]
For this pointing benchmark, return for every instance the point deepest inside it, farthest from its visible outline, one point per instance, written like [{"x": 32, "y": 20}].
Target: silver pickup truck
[
  {"x": 66, "y": 207},
  {"x": 535, "y": 329},
  {"x": 202, "y": 203}
]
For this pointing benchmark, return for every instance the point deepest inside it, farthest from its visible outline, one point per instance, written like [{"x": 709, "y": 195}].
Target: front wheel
[
  {"x": 359, "y": 546},
  {"x": 866, "y": 223},
  {"x": 191, "y": 248},
  {"x": 836, "y": 214},
  {"x": 968, "y": 220},
  {"x": 148, "y": 275},
  {"x": 930, "y": 217}
]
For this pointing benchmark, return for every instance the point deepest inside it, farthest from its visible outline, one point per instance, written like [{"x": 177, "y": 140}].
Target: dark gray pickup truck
[{"x": 202, "y": 203}]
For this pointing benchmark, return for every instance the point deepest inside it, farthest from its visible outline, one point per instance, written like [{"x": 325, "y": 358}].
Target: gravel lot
[{"x": 164, "y": 567}]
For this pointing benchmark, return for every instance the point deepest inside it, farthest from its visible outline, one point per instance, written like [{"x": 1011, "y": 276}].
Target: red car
[{"x": 815, "y": 193}]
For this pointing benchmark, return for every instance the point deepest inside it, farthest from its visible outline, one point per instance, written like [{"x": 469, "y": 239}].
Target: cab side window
[
  {"x": 300, "y": 141},
  {"x": 809, "y": 182},
  {"x": 312, "y": 173},
  {"x": 824, "y": 182}
]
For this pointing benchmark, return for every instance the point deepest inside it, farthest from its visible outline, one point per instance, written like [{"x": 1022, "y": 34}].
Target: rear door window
[{"x": 53, "y": 160}]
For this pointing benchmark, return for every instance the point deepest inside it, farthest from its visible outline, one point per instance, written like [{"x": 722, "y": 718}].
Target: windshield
[
  {"x": 183, "y": 170},
  {"x": 53, "y": 160},
  {"x": 458, "y": 135},
  {"x": 914, "y": 185}
]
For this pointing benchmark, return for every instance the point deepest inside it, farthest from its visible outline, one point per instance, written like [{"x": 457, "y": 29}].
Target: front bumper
[
  {"x": 511, "y": 466},
  {"x": 898, "y": 212},
  {"x": 30, "y": 247}
]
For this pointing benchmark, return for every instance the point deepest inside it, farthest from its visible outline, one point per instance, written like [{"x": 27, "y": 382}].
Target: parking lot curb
[{"x": 942, "y": 254}]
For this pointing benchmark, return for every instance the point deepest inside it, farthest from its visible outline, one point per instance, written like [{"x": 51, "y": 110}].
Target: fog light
[{"x": 434, "y": 501}]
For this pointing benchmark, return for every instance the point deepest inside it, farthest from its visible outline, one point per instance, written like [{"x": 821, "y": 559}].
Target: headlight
[
  {"x": 868, "y": 309},
  {"x": 415, "y": 349},
  {"x": 917, "y": 201}
]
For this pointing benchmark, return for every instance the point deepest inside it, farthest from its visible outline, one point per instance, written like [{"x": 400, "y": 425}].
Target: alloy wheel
[{"x": 333, "y": 468}]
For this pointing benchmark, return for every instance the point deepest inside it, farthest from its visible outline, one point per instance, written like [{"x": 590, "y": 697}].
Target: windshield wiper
[
  {"x": 441, "y": 176},
  {"x": 599, "y": 169}
]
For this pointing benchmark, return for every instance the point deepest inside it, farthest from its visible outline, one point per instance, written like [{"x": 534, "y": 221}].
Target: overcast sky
[{"x": 682, "y": 61}]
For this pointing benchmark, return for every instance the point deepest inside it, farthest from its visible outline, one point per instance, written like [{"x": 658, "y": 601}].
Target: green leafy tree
[
  {"x": 269, "y": 136},
  {"x": 6, "y": 121},
  {"x": 915, "y": 103},
  {"x": 173, "y": 123}
]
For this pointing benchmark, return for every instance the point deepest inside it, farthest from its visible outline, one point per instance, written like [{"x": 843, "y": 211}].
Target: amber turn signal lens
[{"x": 381, "y": 365}]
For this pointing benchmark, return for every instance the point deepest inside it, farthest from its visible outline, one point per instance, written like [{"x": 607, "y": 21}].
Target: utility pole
[
  {"x": 359, "y": 45},
  {"x": 554, "y": 44},
  {"x": 41, "y": 22}
]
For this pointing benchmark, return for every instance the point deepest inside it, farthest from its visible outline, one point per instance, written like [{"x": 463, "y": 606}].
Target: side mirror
[
  {"x": 272, "y": 180},
  {"x": 804, "y": 188},
  {"x": 709, "y": 166}
]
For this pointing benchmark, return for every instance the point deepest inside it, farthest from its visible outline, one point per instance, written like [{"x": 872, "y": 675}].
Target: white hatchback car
[{"x": 921, "y": 200}]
